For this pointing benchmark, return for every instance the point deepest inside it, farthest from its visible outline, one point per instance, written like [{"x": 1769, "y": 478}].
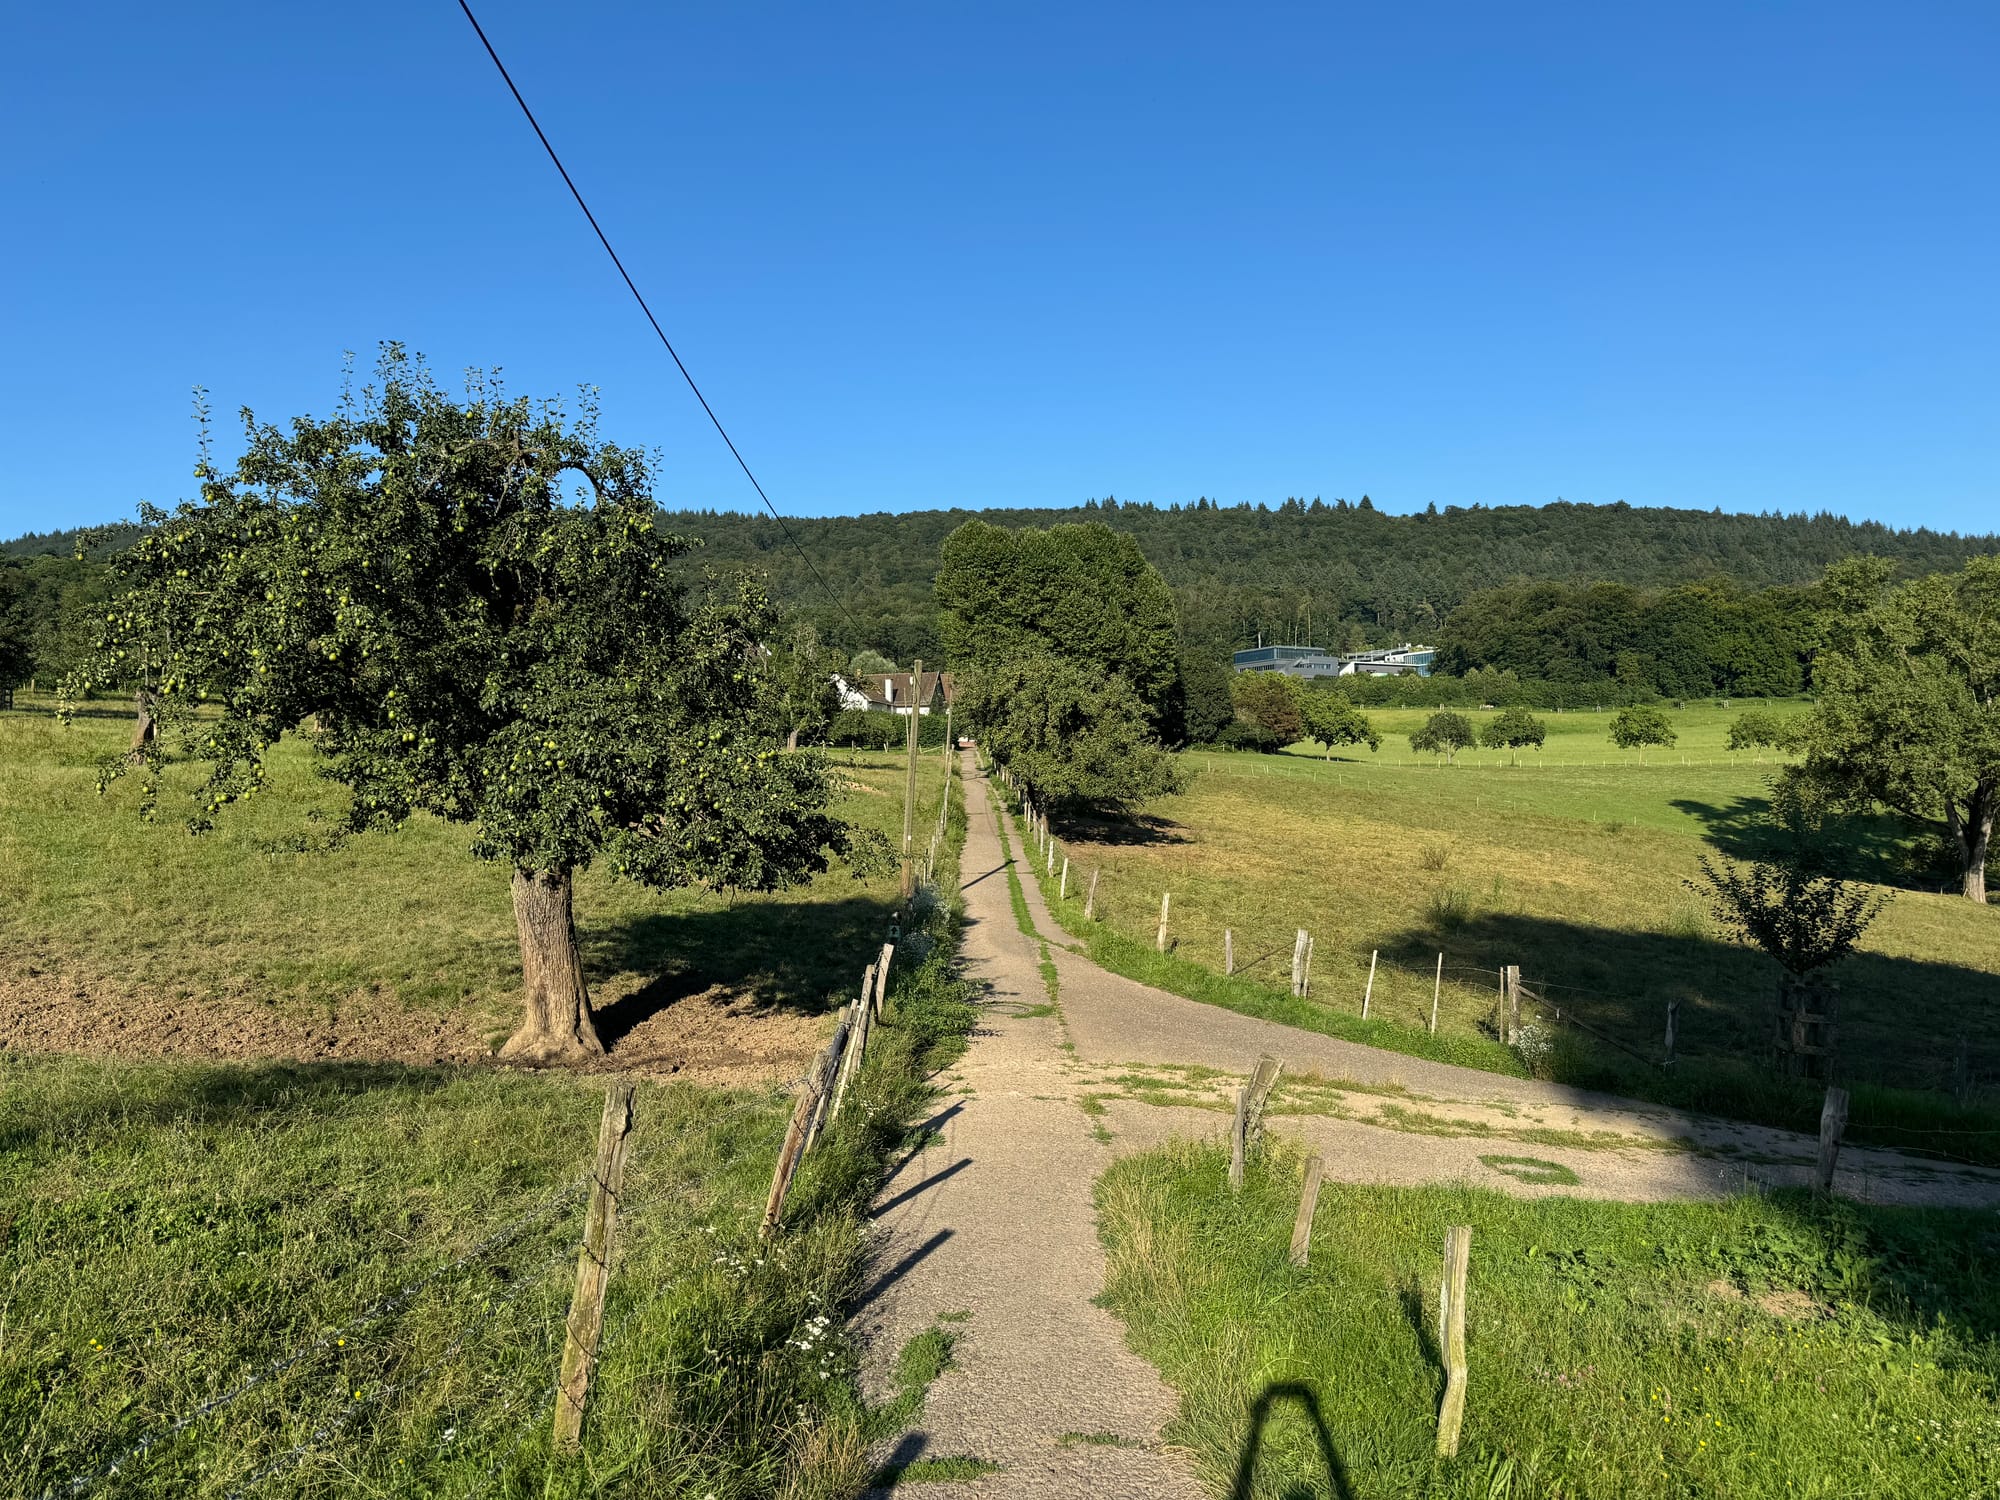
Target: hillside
[{"x": 1312, "y": 569}]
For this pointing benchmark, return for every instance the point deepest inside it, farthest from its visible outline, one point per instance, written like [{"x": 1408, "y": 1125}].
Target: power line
[{"x": 633, "y": 287}]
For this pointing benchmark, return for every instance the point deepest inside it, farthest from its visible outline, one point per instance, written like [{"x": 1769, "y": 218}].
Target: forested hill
[{"x": 1336, "y": 573}]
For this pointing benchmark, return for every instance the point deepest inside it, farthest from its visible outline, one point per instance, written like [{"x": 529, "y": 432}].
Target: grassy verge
[
  {"x": 171, "y": 1233},
  {"x": 1779, "y": 1346}
]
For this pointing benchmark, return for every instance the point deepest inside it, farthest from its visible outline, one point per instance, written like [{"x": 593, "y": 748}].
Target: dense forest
[
  {"x": 1313, "y": 572},
  {"x": 1677, "y": 602}
]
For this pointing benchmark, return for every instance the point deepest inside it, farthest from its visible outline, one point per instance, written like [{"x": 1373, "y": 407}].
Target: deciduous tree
[
  {"x": 1269, "y": 701},
  {"x": 1639, "y": 725},
  {"x": 469, "y": 609},
  {"x": 1444, "y": 734},
  {"x": 1513, "y": 729},
  {"x": 1907, "y": 711},
  {"x": 1074, "y": 736},
  {"x": 1332, "y": 720}
]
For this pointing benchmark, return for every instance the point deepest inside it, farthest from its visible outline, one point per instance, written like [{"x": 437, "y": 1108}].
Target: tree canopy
[
  {"x": 467, "y": 607},
  {"x": 1638, "y": 725},
  {"x": 1075, "y": 736},
  {"x": 1444, "y": 733},
  {"x": 1908, "y": 705},
  {"x": 1512, "y": 730}
]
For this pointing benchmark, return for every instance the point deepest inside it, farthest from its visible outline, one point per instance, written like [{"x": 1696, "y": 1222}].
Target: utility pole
[{"x": 910, "y": 785}]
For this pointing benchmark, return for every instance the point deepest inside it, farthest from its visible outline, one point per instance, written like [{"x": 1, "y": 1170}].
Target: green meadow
[{"x": 1574, "y": 865}]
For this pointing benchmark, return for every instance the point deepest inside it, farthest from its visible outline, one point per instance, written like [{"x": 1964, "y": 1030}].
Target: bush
[{"x": 1245, "y": 736}]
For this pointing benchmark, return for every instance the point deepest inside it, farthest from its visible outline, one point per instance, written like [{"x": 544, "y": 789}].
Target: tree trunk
[
  {"x": 1975, "y": 835},
  {"x": 146, "y": 730},
  {"x": 555, "y": 1020},
  {"x": 792, "y": 739}
]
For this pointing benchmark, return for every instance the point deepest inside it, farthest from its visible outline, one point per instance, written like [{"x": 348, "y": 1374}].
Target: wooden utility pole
[
  {"x": 593, "y": 1267},
  {"x": 910, "y": 785}
]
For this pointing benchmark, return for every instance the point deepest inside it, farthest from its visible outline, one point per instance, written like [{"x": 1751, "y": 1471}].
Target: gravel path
[{"x": 989, "y": 1230}]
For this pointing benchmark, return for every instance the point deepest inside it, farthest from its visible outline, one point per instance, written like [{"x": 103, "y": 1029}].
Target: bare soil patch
[{"x": 713, "y": 1037}]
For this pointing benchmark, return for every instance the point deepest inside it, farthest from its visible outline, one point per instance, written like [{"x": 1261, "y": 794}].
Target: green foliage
[
  {"x": 17, "y": 656},
  {"x": 1763, "y": 1347},
  {"x": 409, "y": 579},
  {"x": 1760, "y": 729},
  {"x": 1081, "y": 592},
  {"x": 1790, "y": 903},
  {"x": 1445, "y": 733},
  {"x": 1641, "y": 724},
  {"x": 1270, "y": 703},
  {"x": 1343, "y": 574},
  {"x": 1076, "y": 736},
  {"x": 1513, "y": 729},
  {"x": 1332, "y": 719},
  {"x": 1908, "y": 708},
  {"x": 1206, "y": 705},
  {"x": 869, "y": 662},
  {"x": 803, "y": 696}
]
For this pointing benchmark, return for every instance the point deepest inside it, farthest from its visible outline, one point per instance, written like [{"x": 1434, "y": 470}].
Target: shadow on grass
[
  {"x": 1899, "y": 1029},
  {"x": 1140, "y": 829},
  {"x": 1242, "y": 1486},
  {"x": 1877, "y": 847},
  {"x": 794, "y": 955}
]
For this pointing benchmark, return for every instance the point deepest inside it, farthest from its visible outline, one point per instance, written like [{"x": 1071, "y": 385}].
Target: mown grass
[
  {"x": 1575, "y": 872},
  {"x": 168, "y": 1231},
  {"x": 1767, "y": 1346},
  {"x": 408, "y": 920}
]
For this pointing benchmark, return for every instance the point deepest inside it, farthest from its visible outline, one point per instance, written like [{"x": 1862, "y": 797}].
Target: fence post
[
  {"x": 1298, "y": 960},
  {"x": 1302, "y": 1226},
  {"x": 832, "y": 1059},
  {"x": 1306, "y": 989},
  {"x": 1052, "y": 857},
  {"x": 1160, "y": 938},
  {"x": 1090, "y": 901},
  {"x": 788, "y": 1155},
  {"x": 1437, "y": 988},
  {"x": 1451, "y": 1336},
  {"x": 1369, "y": 993},
  {"x": 1228, "y": 951},
  {"x": 1510, "y": 1003},
  {"x": 585, "y": 1325},
  {"x": 1832, "y": 1123},
  {"x": 1062, "y": 890},
  {"x": 1238, "y": 1143},
  {"x": 857, "y": 1052},
  {"x": 1263, "y": 1079},
  {"x": 1673, "y": 1028},
  {"x": 882, "y": 978}
]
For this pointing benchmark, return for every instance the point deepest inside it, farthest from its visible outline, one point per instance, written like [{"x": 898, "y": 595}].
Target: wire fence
[{"x": 1386, "y": 988}]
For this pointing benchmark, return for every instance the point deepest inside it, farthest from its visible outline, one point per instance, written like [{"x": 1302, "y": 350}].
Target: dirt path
[{"x": 989, "y": 1230}]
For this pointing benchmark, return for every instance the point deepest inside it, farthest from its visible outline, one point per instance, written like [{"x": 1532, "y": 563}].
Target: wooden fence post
[
  {"x": 1090, "y": 901},
  {"x": 1306, "y": 989},
  {"x": 1228, "y": 951},
  {"x": 1062, "y": 890},
  {"x": 585, "y": 1325},
  {"x": 1510, "y": 1003},
  {"x": 1262, "y": 1080},
  {"x": 857, "y": 1051},
  {"x": 1160, "y": 938},
  {"x": 1238, "y": 1144},
  {"x": 1052, "y": 858},
  {"x": 1298, "y": 960},
  {"x": 1673, "y": 1028},
  {"x": 1302, "y": 1226},
  {"x": 1437, "y": 988},
  {"x": 829, "y": 1069},
  {"x": 1369, "y": 993},
  {"x": 882, "y": 978},
  {"x": 1451, "y": 1336},
  {"x": 1832, "y": 1124}
]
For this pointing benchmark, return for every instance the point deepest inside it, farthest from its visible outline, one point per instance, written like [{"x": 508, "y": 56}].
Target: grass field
[
  {"x": 1573, "y": 870},
  {"x": 125, "y": 910},
  {"x": 1775, "y": 1347},
  {"x": 175, "y": 1231}
]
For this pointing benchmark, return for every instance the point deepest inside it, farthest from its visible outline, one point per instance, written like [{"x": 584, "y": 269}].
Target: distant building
[
  {"x": 891, "y": 692},
  {"x": 1314, "y": 661}
]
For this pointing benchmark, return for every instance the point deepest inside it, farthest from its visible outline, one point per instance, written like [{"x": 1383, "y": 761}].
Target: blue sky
[{"x": 925, "y": 255}]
